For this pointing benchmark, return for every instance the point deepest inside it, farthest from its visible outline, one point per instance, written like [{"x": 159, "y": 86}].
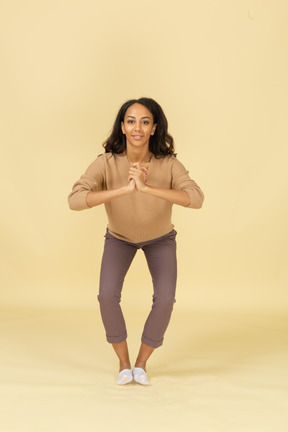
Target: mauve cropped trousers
[{"x": 160, "y": 255}]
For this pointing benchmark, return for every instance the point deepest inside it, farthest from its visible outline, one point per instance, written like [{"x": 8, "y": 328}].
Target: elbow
[
  {"x": 199, "y": 201},
  {"x": 72, "y": 205},
  {"x": 196, "y": 200},
  {"x": 198, "y": 205},
  {"x": 78, "y": 201}
]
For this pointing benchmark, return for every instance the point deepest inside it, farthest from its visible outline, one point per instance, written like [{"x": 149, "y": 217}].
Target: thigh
[
  {"x": 116, "y": 260},
  {"x": 162, "y": 263}
]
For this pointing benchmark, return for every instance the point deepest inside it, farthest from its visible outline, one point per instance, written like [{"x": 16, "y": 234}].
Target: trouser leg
[
  {"x": 162, "y": 263},
  {"x": 116, "y": 260}
]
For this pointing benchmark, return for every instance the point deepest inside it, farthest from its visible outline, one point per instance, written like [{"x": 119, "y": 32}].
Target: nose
[{"x": 137, "y": 125}]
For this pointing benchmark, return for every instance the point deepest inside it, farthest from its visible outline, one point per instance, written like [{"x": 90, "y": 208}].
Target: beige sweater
[{"x": 135, "y": 217}]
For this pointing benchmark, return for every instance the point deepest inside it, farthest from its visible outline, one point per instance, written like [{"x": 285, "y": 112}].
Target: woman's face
[{"x": 138, "y": 126}]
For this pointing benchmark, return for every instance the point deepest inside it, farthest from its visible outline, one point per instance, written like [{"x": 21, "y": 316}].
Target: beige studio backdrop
[
  {"x": 220, "y": 74},
  {"x": 219, "y": 70}
]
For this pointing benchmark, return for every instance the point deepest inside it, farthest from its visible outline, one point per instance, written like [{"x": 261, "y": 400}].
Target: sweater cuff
[
  {"x": 196, "y": 198},
  {"x": 78, "y": 201}
]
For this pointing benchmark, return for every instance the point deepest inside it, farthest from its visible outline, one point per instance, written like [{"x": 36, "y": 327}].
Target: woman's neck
[{"x": 139, "y": 155}]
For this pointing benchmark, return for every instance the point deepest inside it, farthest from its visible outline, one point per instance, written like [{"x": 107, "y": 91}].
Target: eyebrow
[{"x": 141, "y": 117}]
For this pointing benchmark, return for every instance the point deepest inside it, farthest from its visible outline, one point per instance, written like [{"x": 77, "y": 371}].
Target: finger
[{"x": 134, "y": 171}]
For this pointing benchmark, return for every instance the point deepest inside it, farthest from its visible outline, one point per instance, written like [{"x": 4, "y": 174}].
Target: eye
[
  {"x": 146, "y": 122},
  {"x": 130, "y": 121}
]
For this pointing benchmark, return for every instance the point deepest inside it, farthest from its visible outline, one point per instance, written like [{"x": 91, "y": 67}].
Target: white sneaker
[
  {"x": 125, "y": 376},
  {"x": 140, "y": 376}
]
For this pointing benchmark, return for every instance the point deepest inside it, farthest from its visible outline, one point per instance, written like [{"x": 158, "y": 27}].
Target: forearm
[
  {"x": 179, "y": 197},
  {"x": 96, "y": 198}
]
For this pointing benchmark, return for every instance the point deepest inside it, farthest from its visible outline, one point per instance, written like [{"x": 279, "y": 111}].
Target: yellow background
[{"x": 219, "y": 70}]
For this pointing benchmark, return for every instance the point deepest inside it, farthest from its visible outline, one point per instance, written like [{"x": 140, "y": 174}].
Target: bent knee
[
  {"x": 165, "y": 302},
  {"x": 108, "y": 298}
]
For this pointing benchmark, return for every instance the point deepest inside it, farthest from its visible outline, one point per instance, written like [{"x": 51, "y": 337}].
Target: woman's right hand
[{"x": 131, "y": 187}]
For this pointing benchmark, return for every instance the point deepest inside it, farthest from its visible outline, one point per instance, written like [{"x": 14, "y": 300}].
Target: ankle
[
  {"x": 124, "y": 365},
  {"x": 141, "y": 365}
]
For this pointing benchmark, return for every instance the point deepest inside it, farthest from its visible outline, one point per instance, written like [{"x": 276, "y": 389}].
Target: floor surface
[{"x": 215, "y": 372}]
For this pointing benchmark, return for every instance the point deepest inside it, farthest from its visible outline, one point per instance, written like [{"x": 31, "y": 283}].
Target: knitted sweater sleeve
[
  {"x": 92, "y": 180},
  {"x": 182, "y": 181}
]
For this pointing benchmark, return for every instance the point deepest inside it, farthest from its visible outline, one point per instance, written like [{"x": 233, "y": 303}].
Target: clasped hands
[{"x": 136, "y": 177}]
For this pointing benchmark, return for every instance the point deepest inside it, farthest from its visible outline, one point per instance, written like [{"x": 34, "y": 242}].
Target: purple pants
[{"x": 160, "y": 254}]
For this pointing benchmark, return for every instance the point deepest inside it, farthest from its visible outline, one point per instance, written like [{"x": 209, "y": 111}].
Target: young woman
[{"x": 138, "y": 178}]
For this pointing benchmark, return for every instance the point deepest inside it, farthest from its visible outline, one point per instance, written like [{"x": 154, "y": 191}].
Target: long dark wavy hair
[{"x": 160, "y": 144}]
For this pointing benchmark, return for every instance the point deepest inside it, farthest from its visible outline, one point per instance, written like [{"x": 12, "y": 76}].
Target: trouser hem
[
  {"x": 152, "y": 343},
  {"x": 116, "y": 339}
]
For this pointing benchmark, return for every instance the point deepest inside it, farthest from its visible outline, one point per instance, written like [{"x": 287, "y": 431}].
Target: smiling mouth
[{"x": 137, "y": 136}]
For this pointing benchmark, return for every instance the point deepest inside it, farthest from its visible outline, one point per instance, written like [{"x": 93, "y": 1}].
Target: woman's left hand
[{"x": 137, "y": 173}]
